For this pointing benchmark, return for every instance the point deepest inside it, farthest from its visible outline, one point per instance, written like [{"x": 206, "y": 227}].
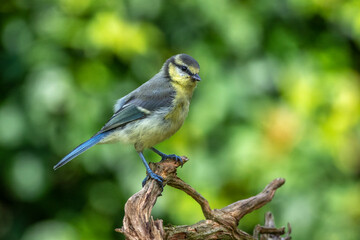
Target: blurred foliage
[{"x": 279, "y": 98}]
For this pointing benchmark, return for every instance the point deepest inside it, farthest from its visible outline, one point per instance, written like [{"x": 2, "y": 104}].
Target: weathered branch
[
  {"x": 219, "y": 223},
  {"x": 269, "y": 231}
]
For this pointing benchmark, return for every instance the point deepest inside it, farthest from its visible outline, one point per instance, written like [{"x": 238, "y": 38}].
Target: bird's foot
[
  {"x": 154, "y": 176},
  {"x": 173, "y": 157}
]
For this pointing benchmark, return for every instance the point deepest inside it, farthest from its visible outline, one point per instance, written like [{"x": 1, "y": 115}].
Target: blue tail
[{"x": 80, "y": 149}]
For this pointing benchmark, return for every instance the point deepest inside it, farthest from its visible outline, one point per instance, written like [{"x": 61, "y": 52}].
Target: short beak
[{"x": 196, "y": 77}]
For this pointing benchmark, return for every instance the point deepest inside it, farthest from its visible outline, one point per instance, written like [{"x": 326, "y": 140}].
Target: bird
[{"x": 149, "y": 114}]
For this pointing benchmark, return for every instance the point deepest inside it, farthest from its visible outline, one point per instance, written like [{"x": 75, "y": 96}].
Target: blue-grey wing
[
  {"x": 155, "y": 93},
  {"x": 126, "y": 115},
  {"x": 140, "y": 103}
]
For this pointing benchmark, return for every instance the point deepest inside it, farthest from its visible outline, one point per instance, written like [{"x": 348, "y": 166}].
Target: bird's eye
[{"x": 184, "y": 68}]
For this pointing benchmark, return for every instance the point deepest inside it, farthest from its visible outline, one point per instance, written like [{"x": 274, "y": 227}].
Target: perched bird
[{"x": 151, "y": 113}]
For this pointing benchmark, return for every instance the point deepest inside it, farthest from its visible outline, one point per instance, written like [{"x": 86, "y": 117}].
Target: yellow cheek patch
[
  {"x": 184, "y": 86},
  {"x": 173, "y": 72}
]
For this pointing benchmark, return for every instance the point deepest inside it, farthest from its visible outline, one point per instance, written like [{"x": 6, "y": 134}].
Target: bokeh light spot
[
  {"x": 50, "y": 230},
  {"x": 27, "y": 177},
  {"x": 12, "y": 125}
]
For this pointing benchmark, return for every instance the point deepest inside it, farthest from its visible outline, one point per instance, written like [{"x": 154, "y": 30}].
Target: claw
[
  {"x": 144, "y": 181},
  {"x": 173, "y": 157},
  {"x": 165, "y": 156},
  {"x": 150, "y": 173},
  {"x": 154, "y": 176}
]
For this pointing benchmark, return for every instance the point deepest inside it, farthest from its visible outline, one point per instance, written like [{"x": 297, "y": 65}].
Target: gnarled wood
[{"x": 219, "y": 223}]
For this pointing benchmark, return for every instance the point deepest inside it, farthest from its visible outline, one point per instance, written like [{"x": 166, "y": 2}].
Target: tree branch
[{"x": 219, "y": 224}]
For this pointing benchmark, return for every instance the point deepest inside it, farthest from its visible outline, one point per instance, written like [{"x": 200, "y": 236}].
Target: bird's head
[{"x": 183, "y": 70}]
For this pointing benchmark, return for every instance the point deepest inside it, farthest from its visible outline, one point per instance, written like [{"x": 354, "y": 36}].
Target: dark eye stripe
[{"x": 185, "y": 70}]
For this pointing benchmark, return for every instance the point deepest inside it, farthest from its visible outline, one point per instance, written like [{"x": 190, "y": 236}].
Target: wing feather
[
  {"x": 127, "y": 115},
  {"x": 146, "y": 99}
]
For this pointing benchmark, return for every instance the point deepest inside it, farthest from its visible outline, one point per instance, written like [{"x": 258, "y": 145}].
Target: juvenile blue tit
[{"x": 151, "y": 113}]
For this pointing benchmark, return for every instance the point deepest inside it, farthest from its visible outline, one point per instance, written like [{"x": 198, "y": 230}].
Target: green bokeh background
[{"x": 279, "y": 98}]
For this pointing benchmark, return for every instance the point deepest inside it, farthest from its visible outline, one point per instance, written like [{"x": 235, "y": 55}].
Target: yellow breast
[{"x": 179, "y": 111}]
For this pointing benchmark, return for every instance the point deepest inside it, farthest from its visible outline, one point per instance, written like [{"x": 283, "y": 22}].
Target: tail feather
[{"x": 80, "y": 149}]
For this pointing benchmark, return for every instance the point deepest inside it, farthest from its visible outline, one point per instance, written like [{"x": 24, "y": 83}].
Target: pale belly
[{"x": 147, "y": 132}]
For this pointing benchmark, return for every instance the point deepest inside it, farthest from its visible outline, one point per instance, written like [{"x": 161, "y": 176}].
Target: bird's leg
[
  {"x": 165, "y": 156},
  {"x": 150, "y": 173}
]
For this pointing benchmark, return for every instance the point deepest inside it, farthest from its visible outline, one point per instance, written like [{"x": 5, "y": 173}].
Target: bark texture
[{"x": 218, "y": 224}]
